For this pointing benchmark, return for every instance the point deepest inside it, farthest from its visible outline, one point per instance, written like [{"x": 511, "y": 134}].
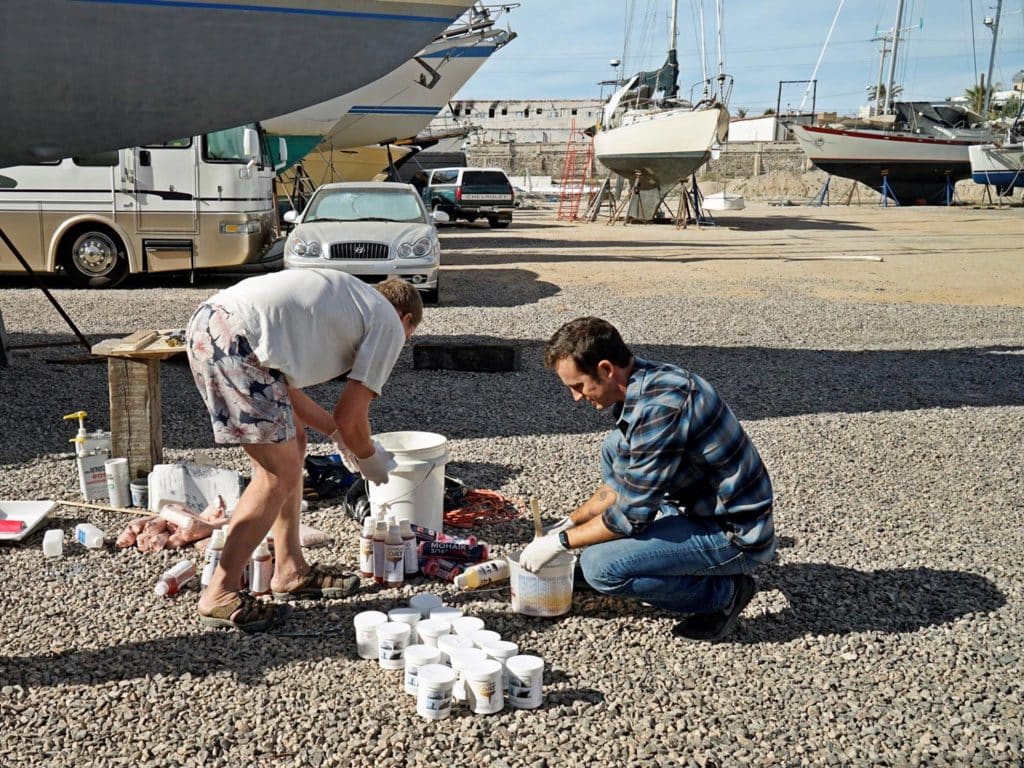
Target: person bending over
[
  {"x": 252, "y": 348},
  {"x": 685, "y": 512}
]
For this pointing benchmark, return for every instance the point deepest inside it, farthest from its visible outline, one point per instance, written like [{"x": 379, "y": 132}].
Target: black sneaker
[{"x": 712, "y": 627}]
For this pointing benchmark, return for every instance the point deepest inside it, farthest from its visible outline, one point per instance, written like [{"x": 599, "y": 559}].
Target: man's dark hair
[{"x": 587, "y": 341}]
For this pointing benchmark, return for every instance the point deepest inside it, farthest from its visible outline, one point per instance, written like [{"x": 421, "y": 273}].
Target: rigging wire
[{"x": 814, "y": 74}]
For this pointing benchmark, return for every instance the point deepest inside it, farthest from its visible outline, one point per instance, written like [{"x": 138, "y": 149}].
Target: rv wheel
[{"x": 95, "y": 258}]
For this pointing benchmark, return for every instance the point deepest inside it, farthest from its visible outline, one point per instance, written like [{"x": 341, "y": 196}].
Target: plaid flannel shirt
[{"x": 678, "y": 442}]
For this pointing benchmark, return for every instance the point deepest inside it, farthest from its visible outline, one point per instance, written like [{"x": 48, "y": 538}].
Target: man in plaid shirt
[{"x": 685, "y": 512}]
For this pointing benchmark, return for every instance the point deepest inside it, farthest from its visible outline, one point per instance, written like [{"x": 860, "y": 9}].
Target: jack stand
[
  {"x": 822, "y": 199},
  {"x": 887, "y": 193},
  {"x": 700, "y": 216},
  {"x": 951, "y": 197}
]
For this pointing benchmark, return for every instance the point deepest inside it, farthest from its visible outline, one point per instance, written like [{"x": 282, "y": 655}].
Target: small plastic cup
[
  {"x": 525, "y": 681},
  {"x": 434, "y": 691},
  {"x": 417, "y": 656},
  {"x": 482, "y": 681},
  {"x": 366, "y": 624},
  {"x": 408, "y": 616},
  {"x": 467, "y": 625},
  {"x": 459, "y": 658},
  {"x": 431, "y": 629},
  {"x": 482, "y": 637},
  {"x": 392, "y": 639},
  {"x": 448, "y": 643},
  {"x": 425, "y": 603},
  {"x": 446, "y": 613}
]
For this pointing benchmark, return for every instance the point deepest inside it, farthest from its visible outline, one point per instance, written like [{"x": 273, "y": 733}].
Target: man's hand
[
  {"x": 377, "y": 465},
  {"x": 347, "y": 457},
  {"x": 540, "y": 552},
  {"x": 562, "y": 525}
]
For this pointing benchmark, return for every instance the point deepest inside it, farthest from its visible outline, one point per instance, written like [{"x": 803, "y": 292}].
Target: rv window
[
  {"x": 225, "y": 146},
  {"x": 173, "y": 144},
  {"x": 97, "y": 160}
]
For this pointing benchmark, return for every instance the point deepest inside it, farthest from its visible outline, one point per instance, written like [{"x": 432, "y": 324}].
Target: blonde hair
[{"x": 403, "y": 297}]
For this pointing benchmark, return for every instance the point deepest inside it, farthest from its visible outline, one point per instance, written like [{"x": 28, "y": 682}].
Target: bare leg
[
  {"x": 276, "y": 473},
  {"x": 290, "y": 564}
]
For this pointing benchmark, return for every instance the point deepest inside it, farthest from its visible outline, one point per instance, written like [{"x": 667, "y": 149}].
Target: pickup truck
[{"x": 471, "y": 194}]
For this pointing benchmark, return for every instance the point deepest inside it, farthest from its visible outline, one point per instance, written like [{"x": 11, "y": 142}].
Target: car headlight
[
  {"x": 418, "y": 250},
  {"x": 307, "y": 250}
]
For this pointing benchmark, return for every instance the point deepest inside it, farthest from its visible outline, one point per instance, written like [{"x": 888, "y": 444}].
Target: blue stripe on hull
[
  {"x": 213, "y": 6},
  {"x": 470, "y": 52},
  {"x": 1000, "y": 178},
  {"x": 394, "y": 110}
]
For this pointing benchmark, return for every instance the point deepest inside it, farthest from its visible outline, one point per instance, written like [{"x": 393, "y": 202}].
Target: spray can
[
  {"x": 366, "y": 548},
  {"x": 380, "y": 537},
  {"x": 483, "y": 575},
  {"x": 92, "y": 449},
  {"x": 213, "y": 553},
  {"x": 426, "y": 534},
  {"x": 412, "y": 558},
  {"x": 174, "y": 579},
  {"x": 262, "y": 570},
  {"x": 454, "y": 550},
  {"x": 394, "y": 558},
  {"x": 440, "y": 568},
  {"x": 88, "y": 535}
]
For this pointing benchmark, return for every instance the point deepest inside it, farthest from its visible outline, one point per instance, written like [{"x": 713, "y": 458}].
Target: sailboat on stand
[{"x": 656, "y": 143}]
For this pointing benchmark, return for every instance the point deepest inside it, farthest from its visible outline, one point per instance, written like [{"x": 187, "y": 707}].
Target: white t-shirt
[{"x": 316, "y": 324}]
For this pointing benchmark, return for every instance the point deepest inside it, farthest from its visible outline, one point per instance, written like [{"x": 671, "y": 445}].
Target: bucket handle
[{"x": 415, "y": 488}]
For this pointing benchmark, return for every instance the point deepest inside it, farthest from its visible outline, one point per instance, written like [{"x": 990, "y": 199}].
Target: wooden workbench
[{"x": 133, "y": 378}]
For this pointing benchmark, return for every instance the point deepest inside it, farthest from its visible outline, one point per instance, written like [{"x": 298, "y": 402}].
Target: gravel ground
[{"x": 889, "y": 631}]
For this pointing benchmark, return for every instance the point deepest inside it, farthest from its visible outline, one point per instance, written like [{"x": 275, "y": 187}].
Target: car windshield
[{"x": 364, "y": 205}]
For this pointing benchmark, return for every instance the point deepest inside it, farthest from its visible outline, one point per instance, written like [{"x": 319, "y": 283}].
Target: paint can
[
  {"x": 118, "y": 492},
  {"x": 408, "y": 616},
  {"x": 392, "y": 639},
  {"x": 482, "y": 637},
  {"x": 431, "y": 629},
  {"x": 484, "y": 694},
  {"x": 467, "y": 625},
  {"x": 525, "y": 681},
  {"x": 459, "y": 658},
  {"x": 417, "y": 656},
  {"x": 448, "y": 643},
  {"x": 501, "y": 651},
  {"x": 140, "y": 492},
  {"x": 434, "y": 691},
  {"x": 425, "y": 603},
  {"x": 366, "y": 624}
]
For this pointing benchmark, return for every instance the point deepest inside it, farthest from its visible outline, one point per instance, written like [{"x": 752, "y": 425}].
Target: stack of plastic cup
[
  {"x": 417, "y": 656},
  {"x": 366, "y": 624}
]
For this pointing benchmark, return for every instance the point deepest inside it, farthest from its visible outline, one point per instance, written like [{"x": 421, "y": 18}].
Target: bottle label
[
  {"x": 366, "y": 556},
  {"x": 394, "y": 563}
]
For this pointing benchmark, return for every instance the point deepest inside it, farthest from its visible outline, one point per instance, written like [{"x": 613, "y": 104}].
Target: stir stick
[{"x": 538, "y": 530}]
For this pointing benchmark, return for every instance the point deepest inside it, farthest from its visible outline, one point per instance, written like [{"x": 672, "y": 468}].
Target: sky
[{"x": 564, "y": 48}]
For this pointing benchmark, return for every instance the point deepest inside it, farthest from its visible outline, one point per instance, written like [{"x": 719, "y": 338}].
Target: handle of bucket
[{"x": 414, "y": 488}]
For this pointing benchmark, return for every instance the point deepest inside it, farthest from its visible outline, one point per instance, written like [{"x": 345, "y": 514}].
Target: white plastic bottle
[
  {"x": 262, "y": 570},
  {"x": 174, "y": 579},
  {"x": 92, "y": 449},
  {"x": 380, "y": 536},
  {"x": 394, "y": 558},
  {"x": 213, "y": 554},
  {"x": 53, "y": 543},
  {"x": 88, "y": 535},
  {"x": 483, "y": 575},
  {"x": 366, "y": 548},
  {"x": 412, "y": 559}
]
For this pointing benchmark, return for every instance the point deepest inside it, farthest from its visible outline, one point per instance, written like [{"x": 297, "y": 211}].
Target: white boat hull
[
  {"x": 722, "y": 201},
  {"x": 1000, "y": 166},
  {"x": 664, "y": 148},
  {"x": 916, "y": 169},
  {"x": 82, "y": 76}
]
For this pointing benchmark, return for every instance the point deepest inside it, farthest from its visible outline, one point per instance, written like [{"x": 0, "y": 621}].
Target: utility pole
[
  {"x": 892, "y": 62},
  {"x": 994, "y": 23}
]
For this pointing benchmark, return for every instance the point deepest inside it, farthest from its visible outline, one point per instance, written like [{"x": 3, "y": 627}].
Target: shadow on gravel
[
  {"x": 511, "y": 287},
  {"x": 831, "y": 600}
]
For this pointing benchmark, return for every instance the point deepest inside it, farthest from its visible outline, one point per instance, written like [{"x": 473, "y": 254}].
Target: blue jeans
[{"x": 677, "y": 563}]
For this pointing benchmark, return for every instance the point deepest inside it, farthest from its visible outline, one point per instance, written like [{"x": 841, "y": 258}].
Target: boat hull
[
  {"x": 916, "y": 169},
  {"x": 664, "y": 149},
  {"x": 1000, "y": 166},
  {"x": 85, "y": 76}
]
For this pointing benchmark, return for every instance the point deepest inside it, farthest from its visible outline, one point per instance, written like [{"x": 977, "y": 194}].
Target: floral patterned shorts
[{"x": 248, "y": 403}]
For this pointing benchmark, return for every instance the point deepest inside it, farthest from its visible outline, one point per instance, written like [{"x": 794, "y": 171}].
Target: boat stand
[
  {"x": 951, "y": 196},
  {"x": 625, "y": 207},
  {"x": 822, "y": 199},
  {"x": 887, "y": 193},
  {"x": 691, "y": 208}
]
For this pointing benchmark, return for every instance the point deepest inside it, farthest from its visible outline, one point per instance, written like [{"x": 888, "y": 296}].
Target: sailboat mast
[
  {"x": 892, "y": 62},
  {"x": 673, "y": 57},
  {"x": 991, "y": 61}
]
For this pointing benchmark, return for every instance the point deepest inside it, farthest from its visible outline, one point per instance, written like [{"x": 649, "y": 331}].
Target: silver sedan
[{"x": 372, "y": 230}]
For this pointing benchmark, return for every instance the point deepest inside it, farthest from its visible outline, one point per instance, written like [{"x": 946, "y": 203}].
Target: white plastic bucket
[
  {"x": 545, "y": 593},
  {"x": 415, "y": 489}
]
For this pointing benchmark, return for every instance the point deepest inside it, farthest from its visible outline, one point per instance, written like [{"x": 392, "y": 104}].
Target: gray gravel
[{"x": 889, "y": 632}]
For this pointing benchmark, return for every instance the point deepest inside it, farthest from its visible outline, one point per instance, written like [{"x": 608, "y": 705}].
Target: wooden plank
[
  {"x": 136, "y": 422},
  {"x": 141, "y": 346}
]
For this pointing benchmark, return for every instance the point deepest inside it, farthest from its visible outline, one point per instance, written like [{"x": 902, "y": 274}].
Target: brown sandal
[
  {"x": 246, "y": 614},
  {"x": 322, "y": 581}
]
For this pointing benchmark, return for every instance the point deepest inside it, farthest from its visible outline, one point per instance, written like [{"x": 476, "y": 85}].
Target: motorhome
[{"x": 204, "y": 202}]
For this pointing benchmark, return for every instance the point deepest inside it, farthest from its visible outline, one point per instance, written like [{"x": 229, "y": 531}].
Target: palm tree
[
  {"x": 741, "y": 112},
  {"x": 975, "y": 96}
]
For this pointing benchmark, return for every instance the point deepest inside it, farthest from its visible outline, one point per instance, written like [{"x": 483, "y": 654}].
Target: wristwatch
[{"x": 563, "y": 539}]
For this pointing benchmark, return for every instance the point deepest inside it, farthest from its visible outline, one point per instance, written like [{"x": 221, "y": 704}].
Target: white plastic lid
[
  {"x": 432, "y": 628},
  {"x": 502, "y": 649},
  {"x": 393, "y": 629},
  {"x": 449, "y": 643},
  {"x": 425, "y": 602},
  {"x": 446, "y": 613},
  {"x": 404, "y": 615},
  {"x": 525, "y": 663},
  {"x": 436, "y": 674},
  {"x": 467, "y": 625},
  {"x": 369, "y": 526},
  {"x": 419, "y": 655},
  {"x": 369, "y": 619},
  {"x": 483, "y": 669},
  {"x": 482, "y": 637},
  {"x": 460, "y": 657}
]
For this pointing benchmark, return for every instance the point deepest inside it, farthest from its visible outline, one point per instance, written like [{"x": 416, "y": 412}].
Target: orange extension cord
[{"x": 483, "y": 508}]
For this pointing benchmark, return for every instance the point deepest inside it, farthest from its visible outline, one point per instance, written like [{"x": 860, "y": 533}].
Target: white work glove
[
  {"x": 348, "y": 459},
  {"x": 376, "y": 466},
  {"x": 540, "y": 552},
  {"x": 562, "y": 525}
]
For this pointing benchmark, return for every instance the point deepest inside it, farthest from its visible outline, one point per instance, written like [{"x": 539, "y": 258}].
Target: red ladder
[{"x": 576, "y": 169}]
